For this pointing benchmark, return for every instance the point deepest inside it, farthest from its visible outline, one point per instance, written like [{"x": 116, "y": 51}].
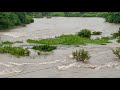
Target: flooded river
[{"x": 58, "y": 63}]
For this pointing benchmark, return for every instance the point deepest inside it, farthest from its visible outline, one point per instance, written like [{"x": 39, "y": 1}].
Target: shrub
[
  {"x": 118, "y": 39},
  {"x": 117, "y": 52},
  {"x": 44, "y": 48},
  {"x": 96, "y": 33},
  {"x": 115, "y": 35},
  {"x": 85, "y": 33},
  {"x": 81, "y": 55}
]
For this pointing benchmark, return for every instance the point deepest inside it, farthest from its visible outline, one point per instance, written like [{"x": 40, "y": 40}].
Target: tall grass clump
[{"x": 81, "y": 55}]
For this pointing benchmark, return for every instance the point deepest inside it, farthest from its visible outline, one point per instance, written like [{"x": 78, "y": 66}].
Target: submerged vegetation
[
  {"x": 81, "y": 55},
  {"x": 118, "y": 39},
  {"x": 16, "y": 51},
  {"x": 45, "y": 48},
  {"x": 69, "y": 40},
  {"x": 117, "y": 52},
  {"x": 115, "y": 35},
  {"x": 6, "y": 42},
  {"x": 96, "y": 33}
]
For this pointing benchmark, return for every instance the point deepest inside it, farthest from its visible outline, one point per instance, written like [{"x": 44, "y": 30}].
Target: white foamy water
[
  {"x": 15, "y": 34},
  {"x": 9, "y": 68},
  {"x": 13, "y": 67},
  {"x": 96, "y": 67}
]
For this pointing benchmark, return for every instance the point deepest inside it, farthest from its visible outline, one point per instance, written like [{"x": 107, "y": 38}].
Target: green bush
[
  {"x": 44, "y": 48},
  {"x": 117, "y": 52},
  {"x": 28, "y": 20},
  {"x": 81, "y": 55},
  {"x": 85, "y": 33},
  {"x": 11, "y": 19},
  {"x": 17, "y": 51},
  {"x": 96, "y": 33}
]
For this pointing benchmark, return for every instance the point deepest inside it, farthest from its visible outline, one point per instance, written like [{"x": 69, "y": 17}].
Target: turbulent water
[{"x": 59, "y": 63}]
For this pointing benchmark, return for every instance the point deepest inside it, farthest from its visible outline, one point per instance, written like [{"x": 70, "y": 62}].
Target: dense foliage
[
  {"x": 11, "y": 19},
  {"x": 113, "y": 17},
  {"x": 69, "y": 40}
]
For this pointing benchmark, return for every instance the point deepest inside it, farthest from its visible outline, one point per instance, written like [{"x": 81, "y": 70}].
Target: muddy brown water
[{"x": 59, "y": 63}]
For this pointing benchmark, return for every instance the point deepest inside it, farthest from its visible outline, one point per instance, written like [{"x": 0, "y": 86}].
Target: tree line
[
  {"x": 112, "y": 17},
  {"x": 11, "y": 19}
]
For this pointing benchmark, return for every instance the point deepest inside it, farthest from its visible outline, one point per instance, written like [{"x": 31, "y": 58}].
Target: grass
[
  {"x": 16, "y": 51},
  {"x": 45, "y": 48},
  {"x": 69, "y": 40},
  {"x": 7, "y": 42}
]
